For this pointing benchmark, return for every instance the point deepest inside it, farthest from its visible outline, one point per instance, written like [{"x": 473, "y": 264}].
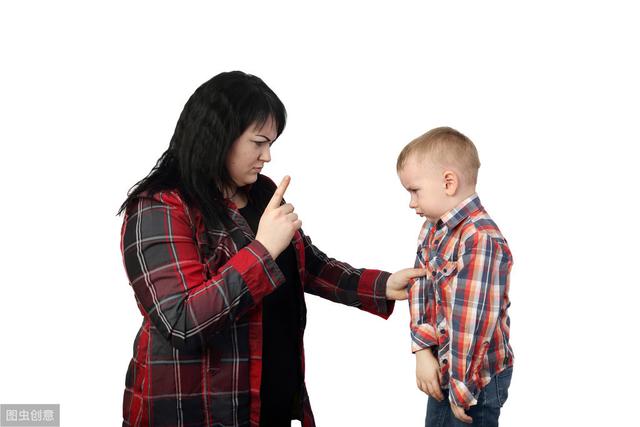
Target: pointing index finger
[{"x": 276, "y": 199}]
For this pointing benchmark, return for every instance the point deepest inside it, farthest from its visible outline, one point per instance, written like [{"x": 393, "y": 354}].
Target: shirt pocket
[
  {"x": 449, "y": 268},
  {"x": 443, "y": 270},
  {"x": 442, "y": 273}
]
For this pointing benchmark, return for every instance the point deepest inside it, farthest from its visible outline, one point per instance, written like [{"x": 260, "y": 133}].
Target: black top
[{"x": 281, "y": 377}]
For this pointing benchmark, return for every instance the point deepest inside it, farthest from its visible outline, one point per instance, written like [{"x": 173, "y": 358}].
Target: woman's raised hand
[{"x": 278, "y": 222}]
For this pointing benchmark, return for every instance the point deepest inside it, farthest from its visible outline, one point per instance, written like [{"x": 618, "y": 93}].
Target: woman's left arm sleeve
[{"x": 339, "y": 282}]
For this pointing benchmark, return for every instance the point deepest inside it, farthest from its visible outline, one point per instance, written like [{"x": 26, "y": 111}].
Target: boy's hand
[
  {"x": 459, "y": 413},
  {"x": 398, "y": 282},
  {"x": 428, "y": 374}
]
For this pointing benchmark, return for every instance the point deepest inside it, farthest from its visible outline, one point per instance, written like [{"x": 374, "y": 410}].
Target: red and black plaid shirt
[{"x": 197, "y": 357}]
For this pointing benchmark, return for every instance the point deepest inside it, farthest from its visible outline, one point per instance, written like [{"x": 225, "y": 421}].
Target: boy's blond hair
[{"x": 447, "y": 147}]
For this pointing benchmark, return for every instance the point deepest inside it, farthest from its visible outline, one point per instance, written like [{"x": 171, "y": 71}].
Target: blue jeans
[{"x": 485, "y": 413}]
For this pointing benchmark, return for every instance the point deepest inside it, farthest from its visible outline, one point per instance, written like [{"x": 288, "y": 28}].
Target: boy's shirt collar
[
  {"x": 456, "y": 215},
  {"x": 451, "y": 218}
]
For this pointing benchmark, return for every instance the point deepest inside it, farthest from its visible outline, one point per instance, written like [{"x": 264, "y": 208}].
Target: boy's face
[{"x": 427, "y": 184}]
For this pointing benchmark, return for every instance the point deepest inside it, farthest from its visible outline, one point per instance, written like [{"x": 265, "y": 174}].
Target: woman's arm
[
  {"x": 339, "y": 282},
  {"x": 163, "y": 265}
]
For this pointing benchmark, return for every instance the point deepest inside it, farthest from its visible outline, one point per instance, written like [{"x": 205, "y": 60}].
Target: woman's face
[{"x": 250, "y": 152}]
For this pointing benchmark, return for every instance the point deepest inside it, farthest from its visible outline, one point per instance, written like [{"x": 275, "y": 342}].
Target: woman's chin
[{"x": 250, "y": 179}]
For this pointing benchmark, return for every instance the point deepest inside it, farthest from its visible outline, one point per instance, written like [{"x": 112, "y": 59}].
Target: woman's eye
[{"x": 263, "y": 142}]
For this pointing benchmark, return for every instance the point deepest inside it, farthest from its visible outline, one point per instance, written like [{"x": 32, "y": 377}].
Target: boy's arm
[
  {"x": 477, "y": 292},
  {"x": 428, "y": 376},
  {"x": 421, "y": 308}
]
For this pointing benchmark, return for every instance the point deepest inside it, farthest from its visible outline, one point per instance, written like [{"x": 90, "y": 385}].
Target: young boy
[{"x": 459, "y": 321}]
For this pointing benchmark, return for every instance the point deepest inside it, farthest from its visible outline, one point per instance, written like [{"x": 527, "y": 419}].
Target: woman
[{"x": 218, "y": 264}]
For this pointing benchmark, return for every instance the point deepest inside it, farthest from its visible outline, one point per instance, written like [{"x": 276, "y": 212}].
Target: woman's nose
[{"x": 265, "y": 154}]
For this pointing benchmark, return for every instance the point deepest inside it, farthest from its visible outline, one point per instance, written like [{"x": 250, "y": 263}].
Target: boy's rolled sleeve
[
  {"x": 477, "y": 292},
  {"x": 421, "y": 308}
]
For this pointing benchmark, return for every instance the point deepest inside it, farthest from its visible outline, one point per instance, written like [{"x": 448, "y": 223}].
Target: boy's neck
[
  {"x": 462, "y": 195},
  {"x": 457, "y": 199}
]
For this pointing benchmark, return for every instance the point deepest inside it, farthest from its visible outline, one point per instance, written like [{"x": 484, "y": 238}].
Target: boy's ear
[{"x": 450, "y": 182}]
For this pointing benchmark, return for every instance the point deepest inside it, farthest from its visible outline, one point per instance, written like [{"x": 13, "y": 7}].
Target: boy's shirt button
[
  {"x": 444, "y": 361},
  {"x": 442, "y": 331}
]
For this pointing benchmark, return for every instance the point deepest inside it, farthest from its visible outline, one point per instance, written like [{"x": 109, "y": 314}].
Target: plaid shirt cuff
[
  {"x": 423, "y": 336},
  {"x": 460, "y": 394},
  {"x": 254, "y": 263},
  {"x": 372, "y": 293}
]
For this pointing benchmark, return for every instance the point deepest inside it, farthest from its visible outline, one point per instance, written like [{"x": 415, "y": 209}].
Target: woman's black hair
[{"x": 217, "y": 113}]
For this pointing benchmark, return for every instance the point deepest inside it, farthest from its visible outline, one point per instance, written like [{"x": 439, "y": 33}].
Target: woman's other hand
[
  {"x": 278, "y": 223},
  {"x": 399, "y": 281}
]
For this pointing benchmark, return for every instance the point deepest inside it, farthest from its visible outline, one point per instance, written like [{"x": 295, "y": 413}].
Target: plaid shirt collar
[
  {"x": 463, "y": 210},
  {"x": 450, "y": 219}
]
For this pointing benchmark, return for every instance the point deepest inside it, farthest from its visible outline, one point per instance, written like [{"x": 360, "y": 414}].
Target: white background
[{"x": 90, "y": 93}]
